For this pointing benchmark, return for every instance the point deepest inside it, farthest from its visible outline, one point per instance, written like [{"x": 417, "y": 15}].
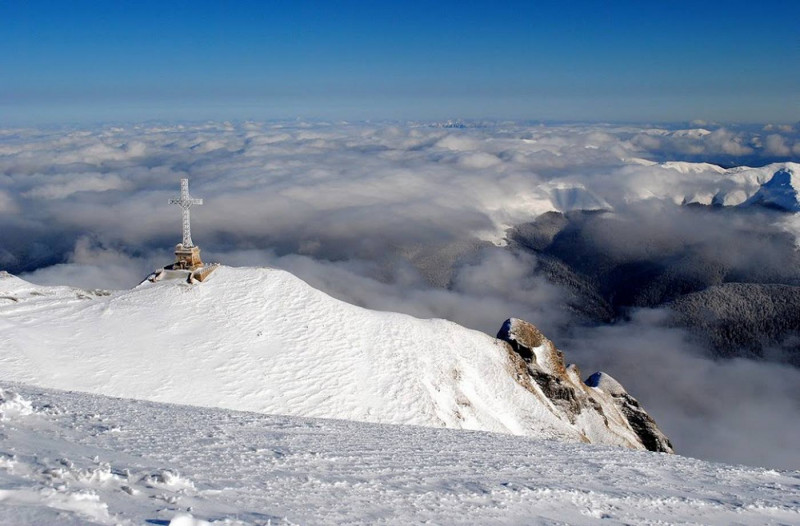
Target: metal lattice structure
[{"x": 185, "y": 201}]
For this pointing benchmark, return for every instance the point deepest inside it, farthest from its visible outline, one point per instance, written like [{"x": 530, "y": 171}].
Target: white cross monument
[{"x": 187, "y": 256}]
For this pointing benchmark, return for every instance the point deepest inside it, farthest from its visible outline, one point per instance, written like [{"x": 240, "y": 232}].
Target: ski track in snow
[{"x": 72, "y": 458}]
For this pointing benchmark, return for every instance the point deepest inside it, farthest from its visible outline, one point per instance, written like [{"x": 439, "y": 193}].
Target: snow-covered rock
[
  {"x": 600, "y": 406},
  {"x": 642, "y": 423},
  {"x": 262, "y": 340}
]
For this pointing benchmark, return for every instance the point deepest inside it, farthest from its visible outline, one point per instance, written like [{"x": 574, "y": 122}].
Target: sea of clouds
[{"x": 413, "y": 218}]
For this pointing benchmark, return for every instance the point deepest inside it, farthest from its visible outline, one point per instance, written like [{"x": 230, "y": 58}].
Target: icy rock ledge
[{"x": 600, "y": 400}]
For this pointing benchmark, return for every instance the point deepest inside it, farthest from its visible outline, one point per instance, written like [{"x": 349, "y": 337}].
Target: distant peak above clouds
[{"x": 781, "y": 191}]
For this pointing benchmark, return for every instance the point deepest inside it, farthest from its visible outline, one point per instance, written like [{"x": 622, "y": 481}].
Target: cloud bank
[{"x": 412, "y": 218}]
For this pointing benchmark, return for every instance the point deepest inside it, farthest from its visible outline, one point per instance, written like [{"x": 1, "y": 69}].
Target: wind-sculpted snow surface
[
  {"x": 263, "y": 340},
  {"x": 87, "y": 459}
]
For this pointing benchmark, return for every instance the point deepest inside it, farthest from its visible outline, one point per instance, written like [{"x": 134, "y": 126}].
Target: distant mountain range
[{"x": 737, "y": 288}]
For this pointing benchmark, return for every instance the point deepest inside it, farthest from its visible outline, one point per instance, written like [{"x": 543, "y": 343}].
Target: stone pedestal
[{"x": 187, "y": 258}]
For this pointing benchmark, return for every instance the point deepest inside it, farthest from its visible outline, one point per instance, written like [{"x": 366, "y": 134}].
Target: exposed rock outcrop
[
  {"x": 601, "y": 405},
  {"x": 641, "y": 422}
]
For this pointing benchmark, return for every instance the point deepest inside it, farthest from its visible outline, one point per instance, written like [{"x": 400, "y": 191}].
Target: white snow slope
[
  {"x": 70, "y": 458},
  {"x": 781, "y": 191},
  {"x": 263, "y": 340}
]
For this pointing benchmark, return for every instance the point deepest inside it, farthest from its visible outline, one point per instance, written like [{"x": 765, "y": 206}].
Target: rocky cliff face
[{"x": 596, "y": 406}]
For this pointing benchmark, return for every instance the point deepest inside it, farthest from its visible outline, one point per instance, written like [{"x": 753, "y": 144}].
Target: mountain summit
[
  {"x": 260, "y": 339},
  {"x": 780, "y": 192}
]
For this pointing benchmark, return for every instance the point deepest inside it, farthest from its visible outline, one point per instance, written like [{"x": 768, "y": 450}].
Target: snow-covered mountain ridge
[
  {"x": 262, "y": 340},
  {"x": 774, "y": 185},
  {"x": 782, "y": 191}
]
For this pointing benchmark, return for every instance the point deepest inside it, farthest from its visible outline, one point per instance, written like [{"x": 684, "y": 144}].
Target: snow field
[{"x": 86, "y": 459}]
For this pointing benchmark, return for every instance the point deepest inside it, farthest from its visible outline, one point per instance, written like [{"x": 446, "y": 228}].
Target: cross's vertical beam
[
  {"x": 186, "y": 201},
  {"x": 187, "y": 229},
  {"x": 186, "y": 204}
]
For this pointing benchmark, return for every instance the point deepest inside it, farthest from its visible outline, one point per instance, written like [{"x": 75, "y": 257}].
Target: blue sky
[{"x": 80, "y": 61}]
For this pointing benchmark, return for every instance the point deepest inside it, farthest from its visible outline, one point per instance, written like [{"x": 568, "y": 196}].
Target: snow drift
[
  {"x": 262, "y": 340},
  {"x": 82, "y": 459}
]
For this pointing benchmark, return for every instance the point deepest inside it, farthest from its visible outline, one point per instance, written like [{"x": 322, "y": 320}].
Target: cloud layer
[{"x": 412, "y": 218}]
